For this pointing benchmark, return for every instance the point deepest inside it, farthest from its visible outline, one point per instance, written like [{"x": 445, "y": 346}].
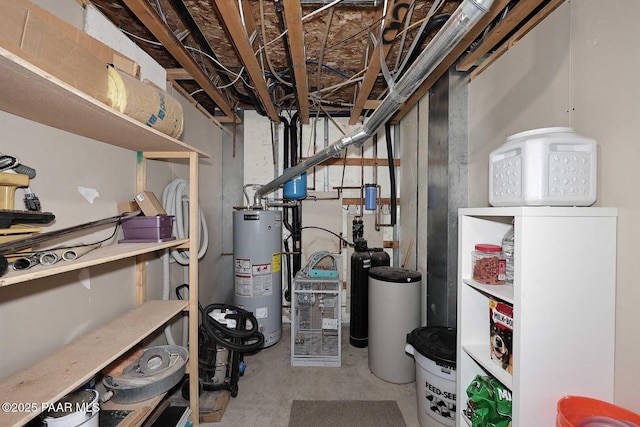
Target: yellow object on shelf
[
  {"x": 8, "y": 184},
  {"x": 145, "y": 103}
]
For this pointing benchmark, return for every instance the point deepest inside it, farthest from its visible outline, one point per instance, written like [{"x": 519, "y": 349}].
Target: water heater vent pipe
[{"x": 457, "y": 26}]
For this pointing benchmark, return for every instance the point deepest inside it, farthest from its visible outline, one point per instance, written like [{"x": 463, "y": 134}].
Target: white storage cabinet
[{"x": 563, "y": 300}]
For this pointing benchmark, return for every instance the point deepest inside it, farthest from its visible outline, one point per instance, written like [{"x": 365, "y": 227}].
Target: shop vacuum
[{"x": 226, "y": 333}]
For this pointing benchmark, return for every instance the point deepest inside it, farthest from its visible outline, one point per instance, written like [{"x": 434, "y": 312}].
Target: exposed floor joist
[
  {"x": 230, "y": 14},
  {"x": 178, "y": 74},
  {"x": 293, "y": 16},
  {"x": 528, "y": 26},
  {"x": 449, "y": 60},
  {"x": 499, "y": 32},
  {"x": 150, "y": 18},
  {"x": 393, "y": 22}
]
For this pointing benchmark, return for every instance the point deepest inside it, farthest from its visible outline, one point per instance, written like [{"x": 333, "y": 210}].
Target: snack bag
[{"x": 489, "y": 403}]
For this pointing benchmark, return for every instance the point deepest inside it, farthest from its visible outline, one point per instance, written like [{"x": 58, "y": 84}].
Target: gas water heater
[{"x": 257, "y": 247}]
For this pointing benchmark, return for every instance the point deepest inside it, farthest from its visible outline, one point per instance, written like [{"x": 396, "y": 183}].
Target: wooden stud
[
  {"x": 358, "y": 201},
  {"x": 194, "y": 393},
  {"x": 293, "y": 16},
  {"x": 178, "y": 74}
]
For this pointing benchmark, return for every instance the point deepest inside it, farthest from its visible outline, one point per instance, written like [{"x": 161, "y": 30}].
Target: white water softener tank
[
  {"x": 544, "y": 167},
  {"x": 257, "y": 247}
]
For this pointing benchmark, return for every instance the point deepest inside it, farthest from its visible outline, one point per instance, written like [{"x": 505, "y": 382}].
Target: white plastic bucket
[
  {"x": 81, "y": 409},
  {"x": 435, "y": 379}
]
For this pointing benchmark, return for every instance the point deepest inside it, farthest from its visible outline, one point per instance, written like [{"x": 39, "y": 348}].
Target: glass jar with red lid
[{"x": 489, "y": 265}]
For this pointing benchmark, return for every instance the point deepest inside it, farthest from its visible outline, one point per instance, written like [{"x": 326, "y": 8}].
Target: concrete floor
[{"x": 270, "y": 384}]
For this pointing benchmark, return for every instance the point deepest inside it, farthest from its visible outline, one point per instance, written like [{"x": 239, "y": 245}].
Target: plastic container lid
[
  {"x": 540, "y": 131},
  {"x": 488, "y": 248},
  {"x": 437, "y": 343},
  {"x": 394, "y": 274}
]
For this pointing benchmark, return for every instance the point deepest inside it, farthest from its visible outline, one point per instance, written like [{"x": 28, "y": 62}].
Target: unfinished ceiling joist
[
  {"x": 230, "y": 15},
  {"x": 528, "y": 26},
  {"x": 449, "y": 60},
  {"x": 395, "y": 15},
  {"x": 293, "y": 16},
  {"x": 178, "y": 74},
  {"x": 520, "y": 11},
  {"x": 150, "y": 18}
]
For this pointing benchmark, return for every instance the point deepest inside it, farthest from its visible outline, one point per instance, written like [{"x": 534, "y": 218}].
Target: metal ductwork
[{"x": 461, "y": 21}]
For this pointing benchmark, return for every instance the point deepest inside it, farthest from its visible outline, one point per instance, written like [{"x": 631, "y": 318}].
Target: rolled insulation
[{"x": 145, "y": 103}]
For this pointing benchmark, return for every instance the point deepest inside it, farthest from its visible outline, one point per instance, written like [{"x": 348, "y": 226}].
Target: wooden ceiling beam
[
  {"x": 230, "y": 16},
  {"x": 293, "y": 17},
  {"x": 522, "y": 31},
  {"x": 178, "y": 74},
  {"x": 395, "y": 16},
  {"x": 515, "y": 16},
  {"x": 449, "y": 60},
  {"x": 150, "y": 19}
]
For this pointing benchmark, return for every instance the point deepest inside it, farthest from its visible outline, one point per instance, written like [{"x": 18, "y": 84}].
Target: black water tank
[
  {"x": 362, "y": 259},
  {"x": 379, "y": 258}
]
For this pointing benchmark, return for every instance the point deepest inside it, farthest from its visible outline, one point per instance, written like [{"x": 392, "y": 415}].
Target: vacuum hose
[{"x": 240, "y": 339}]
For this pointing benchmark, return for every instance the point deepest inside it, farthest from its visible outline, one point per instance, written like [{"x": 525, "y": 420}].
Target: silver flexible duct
[{"x": 461, "y": 21}]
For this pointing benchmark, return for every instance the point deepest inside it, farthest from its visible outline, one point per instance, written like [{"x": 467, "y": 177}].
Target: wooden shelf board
[
  {"x": 29, "y": 92},
  {"x": 67, "y": 368},
  {"x": 140, "y": 411},
  {"x": 114, "y": 252},
  {"x": 481, "y": 354}
]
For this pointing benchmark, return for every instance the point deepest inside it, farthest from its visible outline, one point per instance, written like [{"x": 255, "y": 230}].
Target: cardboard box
[
  {"x": 501, "y": 334},
  {"x": 149, "y": 204},
  {"x": 129, "y": 206},
  {"x": 59, "y": 48}
]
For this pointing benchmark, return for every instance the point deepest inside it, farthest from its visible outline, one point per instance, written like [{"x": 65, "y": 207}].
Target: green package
[{"x": 489, "y": 403}]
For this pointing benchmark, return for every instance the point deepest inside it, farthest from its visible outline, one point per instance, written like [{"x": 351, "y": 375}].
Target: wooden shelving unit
[
  {"x": 74, "y": 364},
  {"x": 99, "y": 256},
  {"x": 29, "y": 92}
]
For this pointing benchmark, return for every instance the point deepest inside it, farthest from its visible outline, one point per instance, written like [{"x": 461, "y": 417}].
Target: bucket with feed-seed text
[{"x": 434, "y": 351}]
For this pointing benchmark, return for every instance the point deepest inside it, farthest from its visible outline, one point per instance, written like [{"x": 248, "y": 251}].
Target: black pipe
[
  {"x": 285, "y": 210},
  {"x": 296, "y": 212},
  {"x": 204, "y": 45},
  {"x": 293, "y": 140},
  {"x": 392, "y": 172},
  {"x": 434, "y": 22}
]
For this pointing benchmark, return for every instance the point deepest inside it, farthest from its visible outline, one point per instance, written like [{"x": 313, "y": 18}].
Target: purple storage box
[{"x": 141, "y": 229}]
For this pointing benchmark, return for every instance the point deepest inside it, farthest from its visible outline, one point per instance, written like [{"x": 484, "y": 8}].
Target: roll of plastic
[{"x": 145, "y": 103}]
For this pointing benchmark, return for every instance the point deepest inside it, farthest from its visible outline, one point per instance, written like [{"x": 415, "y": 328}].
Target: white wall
[
  {"x": 41, "y": 315},
  {"x": 322, "y": 181},
  {"x": 577, "y": 68}
]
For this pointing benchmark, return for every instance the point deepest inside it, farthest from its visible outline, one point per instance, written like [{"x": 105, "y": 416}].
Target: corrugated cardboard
[
  {"x": 149, "y": 204},
  {"x": 58, "y": 48},
  {"x": 129, "y": 206}
]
